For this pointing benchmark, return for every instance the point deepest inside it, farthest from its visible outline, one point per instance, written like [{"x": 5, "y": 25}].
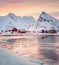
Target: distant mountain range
[{"x": 44, "y": 21}]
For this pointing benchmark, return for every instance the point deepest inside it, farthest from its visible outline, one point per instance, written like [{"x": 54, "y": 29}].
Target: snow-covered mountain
[
  {"x": 11, "y": 20},
  {"x": 9, "y": 58},
  {"x": 46, "y": 22}
]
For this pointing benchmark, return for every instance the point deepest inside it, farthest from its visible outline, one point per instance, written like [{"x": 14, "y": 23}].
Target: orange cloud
[
  {"x": 28, "y": 7},
  {"x": 55, "y": 14}
]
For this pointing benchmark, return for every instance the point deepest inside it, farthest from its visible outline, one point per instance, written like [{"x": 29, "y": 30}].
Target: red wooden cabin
[
  {"x": 20, "y": 31},
  {"x": 49, "y": 31},
  {"x": 13, "y": 30},
  {"x": 52, "y": 31}
]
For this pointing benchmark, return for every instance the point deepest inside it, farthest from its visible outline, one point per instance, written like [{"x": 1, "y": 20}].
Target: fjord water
[
  {"x": 49, "y": 49},
  {"x": 44, "y": 48}
]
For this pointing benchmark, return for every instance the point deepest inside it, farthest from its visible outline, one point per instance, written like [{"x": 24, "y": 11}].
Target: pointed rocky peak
[
  {"x": 43, "y": 12},
  {"x": 44, "y": 17}
]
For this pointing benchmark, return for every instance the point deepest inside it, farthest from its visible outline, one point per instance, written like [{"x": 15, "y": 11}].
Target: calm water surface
[{"x": 45, "y": 48}]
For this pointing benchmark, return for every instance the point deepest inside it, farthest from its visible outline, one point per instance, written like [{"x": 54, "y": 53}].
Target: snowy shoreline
[
  {"x": 28, "y": 34},
  {"x": 10, "y": 58}
]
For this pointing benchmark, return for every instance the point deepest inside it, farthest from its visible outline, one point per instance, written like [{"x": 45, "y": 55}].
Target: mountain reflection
[{"x": 47, "y": 45}]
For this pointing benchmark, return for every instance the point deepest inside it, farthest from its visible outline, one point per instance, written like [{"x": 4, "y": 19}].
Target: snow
[
  {"x": 9, "y": 58},
  {"x": 49, "y": 21},
  {"x": 11, "y": 20},
  {"x": 45, "y": 22}
]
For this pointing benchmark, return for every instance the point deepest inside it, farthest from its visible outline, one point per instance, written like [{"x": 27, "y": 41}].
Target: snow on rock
[
  {"x": 10, "y": 58},
  {"x": 11, "y": 20},
  {"x": 48, "y": 21},
  {"x": 45, "y": 22}
]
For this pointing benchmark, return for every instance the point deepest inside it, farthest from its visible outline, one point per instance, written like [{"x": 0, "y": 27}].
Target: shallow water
[{"x": 45, "y": 48}]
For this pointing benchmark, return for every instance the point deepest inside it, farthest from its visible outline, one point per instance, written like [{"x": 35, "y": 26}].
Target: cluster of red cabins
[
  {"x": 49, "y": 31},
  {"x": 17, "y": 30},
  {"x": 24, "y": 31}
]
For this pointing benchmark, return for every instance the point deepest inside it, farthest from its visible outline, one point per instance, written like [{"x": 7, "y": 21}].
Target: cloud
[
  {"x": 47, "y": 1},
  {"x": 39, "y": 1},
  {"x": 31, "y": 1},
  {"x": 55, "y": 13},
  {"x": 6, "y": 1}
]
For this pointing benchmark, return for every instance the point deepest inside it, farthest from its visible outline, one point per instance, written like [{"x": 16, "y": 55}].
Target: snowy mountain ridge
[
  {"x": 11, "y": 20},
  {"x": 45, "y": 21}
]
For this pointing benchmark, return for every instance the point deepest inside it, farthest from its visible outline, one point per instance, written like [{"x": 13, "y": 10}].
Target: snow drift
[{"x": 10, "y": 58}]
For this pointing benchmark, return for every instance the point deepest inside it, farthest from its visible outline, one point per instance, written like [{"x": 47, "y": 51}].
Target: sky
[{"x": 29, "y": 7}]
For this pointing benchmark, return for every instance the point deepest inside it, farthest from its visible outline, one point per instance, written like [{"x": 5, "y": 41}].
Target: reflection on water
[
  {"x": 45, "y": 48},
  {"x": 47, "y": 39},
  {"x": 48, "y": 47}
]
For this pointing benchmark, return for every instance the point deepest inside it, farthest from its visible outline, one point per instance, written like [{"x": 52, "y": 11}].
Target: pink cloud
[
  {"x": 14, "y": 0},
  {"x": 1, "y": 1},
  {"x": 55, "y": 13},
  {"x": 36, "y": 1}
]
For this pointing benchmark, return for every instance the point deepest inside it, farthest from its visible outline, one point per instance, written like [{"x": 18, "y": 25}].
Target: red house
[
  {"x": 52, "y": 31},
  {"x": 20, "y": 31},
  {"x": 49, "y": 31},
  {"x": 17, "y": 30},
  {"x": 13, "y": 30}
]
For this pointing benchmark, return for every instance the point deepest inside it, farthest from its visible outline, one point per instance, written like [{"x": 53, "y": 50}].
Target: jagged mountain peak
[
  {"x": 44, "y": 17},
  {"x": 47, "y": 22},
  {"x": 43, "y": 12}
]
